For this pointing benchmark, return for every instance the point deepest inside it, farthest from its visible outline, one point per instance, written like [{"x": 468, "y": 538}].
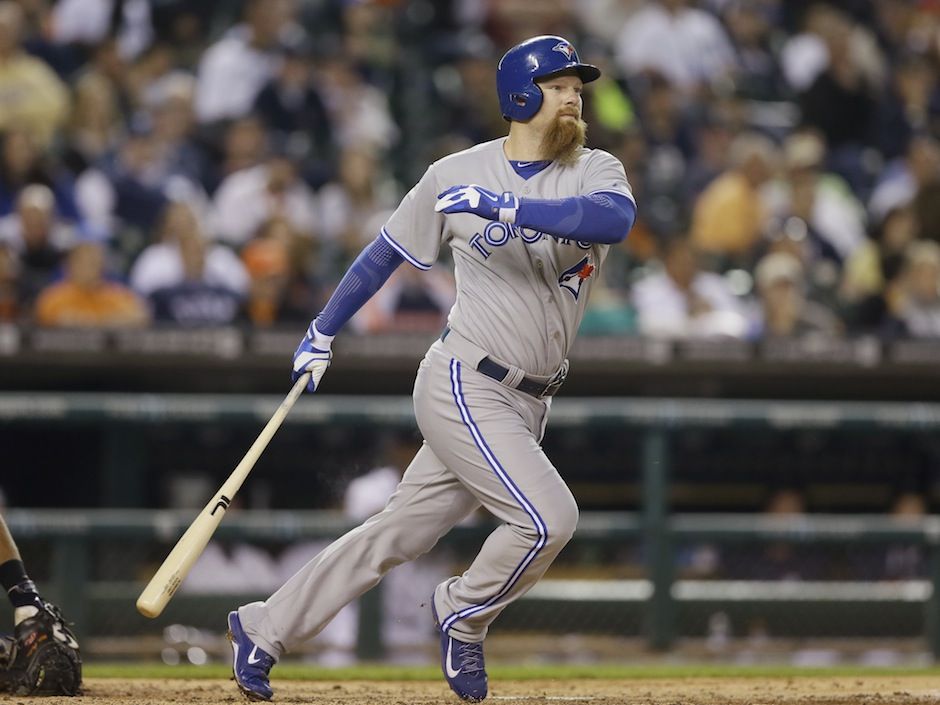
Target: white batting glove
[
  {"x": 313, "y": 355},
  {"x": 479, "y": 201}
]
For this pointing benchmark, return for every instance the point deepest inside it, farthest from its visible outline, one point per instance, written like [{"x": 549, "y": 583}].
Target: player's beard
[{"x": 564, "y": 139}]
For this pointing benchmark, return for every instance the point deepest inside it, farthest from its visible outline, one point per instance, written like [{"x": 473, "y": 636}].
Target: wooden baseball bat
[{"x": 170, "y": 575}]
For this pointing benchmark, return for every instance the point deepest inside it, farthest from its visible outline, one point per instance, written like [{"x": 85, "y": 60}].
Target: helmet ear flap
[{"x": 523, "y": 104}]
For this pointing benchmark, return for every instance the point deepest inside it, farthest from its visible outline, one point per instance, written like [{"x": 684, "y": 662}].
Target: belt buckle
[{"x": 554, "y": 384}]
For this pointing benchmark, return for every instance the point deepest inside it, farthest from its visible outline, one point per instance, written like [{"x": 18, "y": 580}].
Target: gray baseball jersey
[
  {"x": 520, "y": 297},
  {"x": 520, "y": 294}
]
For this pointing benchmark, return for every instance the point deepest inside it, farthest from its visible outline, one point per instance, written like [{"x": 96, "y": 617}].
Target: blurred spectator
[
  {"x": 127, "y": 186},
  {"x": 171, "y": 108},
  {"x": 91, "y": 21},
  {"x": 146, "y": 173},
  {"x": 713, "y": 138},
  {"x": 906, "y": 562},
  {"x": 683, "y": 301},
  {"x": 610, "y": 111},
  {"x": 292, "y": 109},
  {"x": 234, "y": 70},
  {"x": 184, "y": 254},
  {"x": 874, "y": 268},
  {"x": 782, "y": 560},
  {"x": 785, "y": 311},
  {"x": 232, "y": 567},
  {"x": 22, "y": 163},
  {"x": 225, "y": 565},
  {"x": 757, "y": 73},
  {"x": 468, "y": 105},
  {"x": 603, "y": 19},
  {"x": 194, "y": 301},
  {"x": 806, "y": 55},
  {"x": 95, "y": 125},
  {"x": 185, "y": 27},
  {"x": 369, "y": 40},
  {"x": 249, "y": 197},
  {"x": 667, "y": 144},
  {"x": 281, "y": 289},
  {"x": 359, "y": 111},
  {"x": 105, "y": 62},
  {"x": 833, "y": 217},
  {"x": 678, "y": 40},
  {"x": 729, "y": 216},
  {"x": 38, "y": 238},
  {"x": 32, "y": 97},
  {"x": 244, "y": 144},
  {"x": 665, "y": 122},
  {"x": 85, "y": 298},
  {"x": 908, "y": 106},
  {"x": 905, "y": 178},
  {"x": 841, "y": 102},
  {"x": 355, "y": 206},
  {"x": 411, "y": 300},
  {"x": 914, "y": 299}
]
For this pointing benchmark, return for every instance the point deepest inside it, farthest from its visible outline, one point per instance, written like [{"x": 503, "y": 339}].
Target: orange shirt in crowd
[
  {"x": 106, "y": 305},
  {"x": 728, "y": 217}
]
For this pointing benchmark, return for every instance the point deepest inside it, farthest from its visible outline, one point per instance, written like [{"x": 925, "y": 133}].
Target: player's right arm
[
  {"x": 416, "y": 239},
  {"x": 365, "y": 276}
]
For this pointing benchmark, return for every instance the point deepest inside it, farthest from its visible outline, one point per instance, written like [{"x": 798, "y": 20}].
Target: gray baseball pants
[{"x": 481, "y": 447}]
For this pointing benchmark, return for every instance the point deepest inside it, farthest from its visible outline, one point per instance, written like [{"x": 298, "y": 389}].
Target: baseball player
[
  {"x": 529, "y": 218},
  {"x": 42, "y": 656}
]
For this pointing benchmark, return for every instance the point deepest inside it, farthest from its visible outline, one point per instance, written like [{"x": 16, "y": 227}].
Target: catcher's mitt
[{"x": 46, "y": 659}]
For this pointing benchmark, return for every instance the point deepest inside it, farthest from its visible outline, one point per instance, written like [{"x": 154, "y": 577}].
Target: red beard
[{"x": 564, "y": 139}]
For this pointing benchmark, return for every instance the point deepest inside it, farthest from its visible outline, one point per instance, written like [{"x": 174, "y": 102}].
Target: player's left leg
[{"x": 488, "y": 436}]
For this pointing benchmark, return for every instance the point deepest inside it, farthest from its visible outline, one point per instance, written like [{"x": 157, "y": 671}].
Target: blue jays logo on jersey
[
  {"x": 564, "y": 48},
  {"x": 573, "y": 278}
]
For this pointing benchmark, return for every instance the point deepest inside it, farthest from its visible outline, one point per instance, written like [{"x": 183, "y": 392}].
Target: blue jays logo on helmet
[
  {"x": 525, "y": 64},
  {"x": 573, "y": 278},
  {"x": 565, "y": 48}
]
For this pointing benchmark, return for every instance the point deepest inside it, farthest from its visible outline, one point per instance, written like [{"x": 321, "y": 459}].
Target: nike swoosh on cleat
[
  {"x": 451, "y": 673},
  {"x": 251, "y": 657}
]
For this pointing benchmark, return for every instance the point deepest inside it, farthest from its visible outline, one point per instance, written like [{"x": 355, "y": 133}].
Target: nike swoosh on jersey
[
  {"x": 451, "y": 673},
  {"x": 523, "y": 165},
  {"x": 251, "y": 657}
]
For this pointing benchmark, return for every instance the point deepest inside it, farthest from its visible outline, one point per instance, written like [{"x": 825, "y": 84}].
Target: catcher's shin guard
[{"x": 46, "y": 658}]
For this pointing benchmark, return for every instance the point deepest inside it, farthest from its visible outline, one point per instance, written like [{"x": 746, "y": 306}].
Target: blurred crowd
[{"x": 221, "y": 163}]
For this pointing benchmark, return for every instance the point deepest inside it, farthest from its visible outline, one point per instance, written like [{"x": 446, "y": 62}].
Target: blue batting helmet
[{"x": 535, "y": 58}]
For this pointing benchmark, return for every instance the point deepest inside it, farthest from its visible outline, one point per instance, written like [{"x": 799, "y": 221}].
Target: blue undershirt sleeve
[
  {"x": 365, "y": 276},
  {"x": 604, "y": 217}
]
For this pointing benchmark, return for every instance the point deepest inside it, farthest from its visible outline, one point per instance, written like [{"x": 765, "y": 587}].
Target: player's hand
[
  {"x": 313, "y": 355},
  {"x": 479, "y": 201}
]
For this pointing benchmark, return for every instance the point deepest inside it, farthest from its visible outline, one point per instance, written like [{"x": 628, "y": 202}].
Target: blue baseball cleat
[
  {"x": 462, "y": 663},
  {"x": 250, "y": 664}
]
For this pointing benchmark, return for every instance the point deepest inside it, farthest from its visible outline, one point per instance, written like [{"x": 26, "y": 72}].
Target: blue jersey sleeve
[
  {"x": 603, "y": 217},
  {"x": 365, "y": 276}
]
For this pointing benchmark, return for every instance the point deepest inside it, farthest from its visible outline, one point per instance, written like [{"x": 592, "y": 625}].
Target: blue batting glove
[
  {"x": 479, "y": 201},
  {"x": 313, "y": 355}
]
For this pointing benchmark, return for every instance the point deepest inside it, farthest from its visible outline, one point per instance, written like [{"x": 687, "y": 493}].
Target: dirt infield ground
[{"x": 880, "y": 690}]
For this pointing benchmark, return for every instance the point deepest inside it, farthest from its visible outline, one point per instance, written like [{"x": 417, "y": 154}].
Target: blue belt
[{"x": 527, "y": 384}]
